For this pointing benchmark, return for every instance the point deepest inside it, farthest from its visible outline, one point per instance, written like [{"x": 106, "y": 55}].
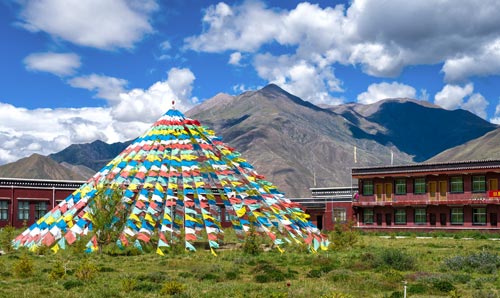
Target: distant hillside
[
  {"x": 38, "y": 167},
  {"x": 485, "y": 147},
  {"x": 291, "y": 141},
  {"x": 417, "y": 128},
  {"x": 93, "y": 155}
]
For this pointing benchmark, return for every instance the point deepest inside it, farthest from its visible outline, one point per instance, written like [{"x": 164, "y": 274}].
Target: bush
[
  {"x": 6, "y": 235},
  {"x": 482, "y": 262},
  {"x": 58, "y": 271},
  {"x": 24, "y": 267},
  {"x": 252, "y": 243},
  {"x": 232, "y": 275},
  {"x": 442, "y": 285},
  {"x": 87, "y": 271},
  {"x": 173, "y": 288},
  {"x": 72, "y": 283},
  {"x": 398, "y": 260},
  {"x": 344, "y": 236}
]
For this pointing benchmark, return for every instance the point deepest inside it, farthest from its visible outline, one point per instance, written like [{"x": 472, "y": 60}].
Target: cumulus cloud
[
  {"x": 454, "y": 97},
  {"x": 128, "y": 114},
  {"x": 60, "y": 64},
  {"x": 235, "y": 58},
  {"x": 106, "y": 87},
  {"x": 381, "y": 38},
  {"x": 385, "y": 90},
  {"x": 103, "y": 24}
]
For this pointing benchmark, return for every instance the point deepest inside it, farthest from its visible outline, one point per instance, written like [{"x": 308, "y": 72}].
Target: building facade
[
  {"x": 440, "y": 196},
  {"x": 23, "y": 201}
]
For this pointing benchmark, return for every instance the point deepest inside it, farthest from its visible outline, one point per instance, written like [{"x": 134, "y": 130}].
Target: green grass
[{"x": 374, "y": 267}]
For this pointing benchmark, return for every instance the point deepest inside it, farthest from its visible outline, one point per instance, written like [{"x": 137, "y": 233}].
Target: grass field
[{"x": 373, "y": 267}]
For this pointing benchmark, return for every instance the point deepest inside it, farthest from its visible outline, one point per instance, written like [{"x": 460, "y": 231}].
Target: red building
[
  {"x": 446, "y": 196},
  {"x": 23, "y": 201}
]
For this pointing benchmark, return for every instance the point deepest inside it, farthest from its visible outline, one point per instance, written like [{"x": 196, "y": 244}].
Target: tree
[{"x": 108, "y": 215}]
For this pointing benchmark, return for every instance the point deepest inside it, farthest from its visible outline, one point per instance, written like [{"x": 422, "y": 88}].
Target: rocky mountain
[
  {"x": 93, "y": 155},
  {"x": 417, "y": 128},
  {"x": 294, "y": 143},
  {"x": 485, "y": 147},
  {"x": 39, "y": 167}
]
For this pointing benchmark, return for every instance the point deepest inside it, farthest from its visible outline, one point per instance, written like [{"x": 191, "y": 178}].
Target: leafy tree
[{"x": 108, "y": 215}]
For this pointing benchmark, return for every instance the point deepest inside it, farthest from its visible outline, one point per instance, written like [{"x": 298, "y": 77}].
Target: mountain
[
  {"x": 39, "y": 167},
  {"x": 292, "y": 142},
  {"x": 93, "y": 155},
  {"x": 417, "y": 128},
  {"x": 485, "y": 147}
]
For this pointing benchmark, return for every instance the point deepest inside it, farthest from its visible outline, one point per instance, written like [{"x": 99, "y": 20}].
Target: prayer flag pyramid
[{"x": 175, "y": 182}]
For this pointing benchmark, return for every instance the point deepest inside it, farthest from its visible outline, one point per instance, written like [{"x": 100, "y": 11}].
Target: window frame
[
  {"x": 23, "y": 210},
  {"x": 40, "y": 212},
  {"x": 365, "y": 216},
  {"x": 415, "y": 188},
  {"x": 4, "y": 210},
  {"x": 454, "y": 214},
  {"x": 419, "y": 216},
  {"x": 398, "y": 184},
  {"x": 343, "y": 215},
  {"x": 399, "y": 214},
  {"x": 453, "y": 184},
  {"x": 368, "y": 185},
  {"x": 475, "y": 213},
  {"x": 483, "y": 190}
]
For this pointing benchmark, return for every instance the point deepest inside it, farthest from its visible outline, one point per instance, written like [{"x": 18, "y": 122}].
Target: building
[
  {"x": 329, "y": 205},
  {"x": 439, "y": 196},
  {"x": 23, "y": 201}
]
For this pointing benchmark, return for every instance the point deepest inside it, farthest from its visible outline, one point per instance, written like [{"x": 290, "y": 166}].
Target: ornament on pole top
[{"x": 173, "y": 104}]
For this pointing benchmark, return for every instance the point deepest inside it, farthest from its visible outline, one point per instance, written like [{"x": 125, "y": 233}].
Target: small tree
[{"x": 108, "y": 215}]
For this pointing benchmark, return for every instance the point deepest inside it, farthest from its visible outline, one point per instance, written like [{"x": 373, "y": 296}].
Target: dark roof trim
[{"x": 429, "y": 167}]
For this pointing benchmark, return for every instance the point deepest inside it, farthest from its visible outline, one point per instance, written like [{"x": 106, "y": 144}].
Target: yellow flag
[
  {"x": 213, "y": 252},
  {"x": 240, "y": 212},
  {"x": 55, "y": 248},
  {"x": 280, "y": 250},
  {"x": 158, "y": 251}
]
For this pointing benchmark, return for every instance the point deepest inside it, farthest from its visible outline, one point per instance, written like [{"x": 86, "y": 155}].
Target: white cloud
[
  {"x": 165, "y": 46},
  {"x": 60, "y": 64},
  {"x": 128, "y": 115},
  {"x": 454, "y": 97},
  {"x": 382, "y": 38},
  {"x": 103, "y": 24},
  {"x": 235, "y": 58},
  {"x": 385, "y": 90},
  {"x": 476, "y": 104},
  {"x": 308, "y": 81},
  {"x": 107, "y": 87}
]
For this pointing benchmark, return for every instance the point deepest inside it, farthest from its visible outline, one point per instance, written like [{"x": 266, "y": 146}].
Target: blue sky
[{"x": 75, "y": 71}]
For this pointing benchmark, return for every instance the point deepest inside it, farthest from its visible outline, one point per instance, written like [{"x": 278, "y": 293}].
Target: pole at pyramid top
[{"x": 173, "y": 104}]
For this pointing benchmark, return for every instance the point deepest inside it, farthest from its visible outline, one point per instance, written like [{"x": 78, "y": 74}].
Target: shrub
[
  {"x": 147, "y": 286},
  {"x": 86, "y": 271},
  {"x": 315, "y": 273},
  {"x": 24, "y": 266},
  {"x": 173, "y": 288},
  {"x": 336, "y": 295},
  {"x": 344, "y": 236},
  {"x": 6, "y": 235},
  {"x": 442, "y": 285},
  {"x": 58, "y": 271},
  {"x": 72, "y": 283},
  {"x": 128, "y": 284},
  {"x": 482, "y": 262},
  {"x": 397, "y": 259},
  {"x": 232, "y": 275},
  {"x": 418, "y": 288},
  {"x": 252, "y": 243}
]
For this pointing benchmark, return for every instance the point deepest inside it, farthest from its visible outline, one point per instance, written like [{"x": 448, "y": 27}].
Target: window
[
  {"x": 217, "y": 210},
  {"x": 478, "y": 184},
  {"x": 227, "y": 216},
  {"x": 479, "y": 216},
  {"x": 457, "y": 184},
  {"x": 401, "y": 186},
  {"x": 339, "y": 215},
  {"x": 457, "y": 216},
  {"x": 40, "y": 209},
  {"x": 420, "y": 216},
  {"x": 368, "y": 216},
  {"x": 419, "y": 186},
  {"x": 4, "y": 210},
  {"x": 367, "y": 187},
  {"x": 24, "y": 210},
  {"x": 400, "y": 216}
]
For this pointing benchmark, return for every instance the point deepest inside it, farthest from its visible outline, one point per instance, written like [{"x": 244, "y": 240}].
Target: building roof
[
  {"x": 40, "y": 183},
  {"x": 428, "y": 168}
]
